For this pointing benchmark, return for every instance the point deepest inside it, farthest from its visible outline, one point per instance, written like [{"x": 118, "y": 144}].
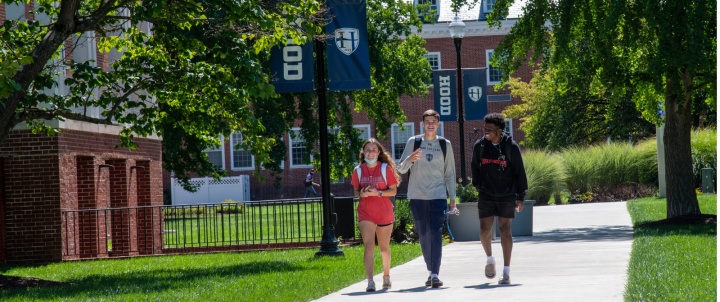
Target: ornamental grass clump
[
  {"x": 580, "y": 169},
  {"x": 704, "y": 152},
  {"x": 545, "y": 175}
]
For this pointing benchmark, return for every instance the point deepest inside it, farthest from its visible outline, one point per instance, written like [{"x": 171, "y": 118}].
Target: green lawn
[
  {"x": 286, "y": 275},
  {"x": 265, "y": 224},
  {"x": 672, "y": 263}
]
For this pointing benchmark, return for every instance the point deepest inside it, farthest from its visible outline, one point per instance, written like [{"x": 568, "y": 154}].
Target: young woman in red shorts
[{"x": 375, "y": 211}]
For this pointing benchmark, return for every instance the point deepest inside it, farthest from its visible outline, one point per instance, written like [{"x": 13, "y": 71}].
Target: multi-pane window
[
  {"x": 508, "y": 126},
  {"x": 494, "y": 74},
  {"x": 400, "y": 138},
  {"x": 440, "y": 130},
  {"x": 433, "y": 4},
  {"x": 215, "y": 155},
  {"x": 298, "y": 150},
  {"x": 241, "y": 158},
  {"x": 434, "y": 60},
  {"x": 488, "y": 5}
]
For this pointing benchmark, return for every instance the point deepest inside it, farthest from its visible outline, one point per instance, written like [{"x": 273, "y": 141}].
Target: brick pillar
[
  {"x": 123, "y": 195},
  {"x": 148, "y": 223},
  {"x": 89, "y": 236}
]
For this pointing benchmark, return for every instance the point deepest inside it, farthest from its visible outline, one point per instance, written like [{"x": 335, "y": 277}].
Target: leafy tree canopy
[
  {"x": 199, "y": 73},
  {"x": 659, "y": 53}
]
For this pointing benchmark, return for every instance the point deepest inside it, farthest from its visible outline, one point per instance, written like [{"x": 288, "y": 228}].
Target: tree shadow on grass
[
  {"x": 149, "y": 281},
  {"x": 671, "y": 230}
]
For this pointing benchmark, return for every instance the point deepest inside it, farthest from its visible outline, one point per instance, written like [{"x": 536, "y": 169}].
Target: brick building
[
  {"x": 80, "y": 168},
  {"x": 477, "y": 47}
]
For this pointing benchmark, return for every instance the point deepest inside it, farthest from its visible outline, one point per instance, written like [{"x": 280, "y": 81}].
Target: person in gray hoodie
[
  {"x": 431, "y": 163},
  {"x": 498, "y": 174}
]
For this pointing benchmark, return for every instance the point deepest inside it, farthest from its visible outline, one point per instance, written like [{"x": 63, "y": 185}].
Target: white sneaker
[
  {"x": 505, "y": 279},
  {"x": 386, "y": 282},
  {"x": 371, "y": 286}
]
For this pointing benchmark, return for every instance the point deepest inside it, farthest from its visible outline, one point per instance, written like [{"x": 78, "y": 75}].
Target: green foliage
[
  {"x": 565, "y": 105},
  {"x": 704, "y": 152},
  {"x": 605, "y": 166},
  {"x": 404, "y": 225},
  {"x": 202, "y": 73},
  {"x": 545, "y": 175},
  {"x": 467, "y": 193},
  {"x": 274, "y": 275},
  {"x": 654, "y": 273}
]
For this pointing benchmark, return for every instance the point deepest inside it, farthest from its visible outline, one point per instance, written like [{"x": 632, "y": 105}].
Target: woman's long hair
[{"x": 383, "y": 157}]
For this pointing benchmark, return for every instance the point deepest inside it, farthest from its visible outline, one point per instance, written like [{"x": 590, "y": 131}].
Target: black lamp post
[
  {"x": 457, "y": 31},
  {"x": 328, "y": 242}
]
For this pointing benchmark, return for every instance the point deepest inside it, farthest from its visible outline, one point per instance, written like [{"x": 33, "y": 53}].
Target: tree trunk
[{"x": 681, "y": 196}]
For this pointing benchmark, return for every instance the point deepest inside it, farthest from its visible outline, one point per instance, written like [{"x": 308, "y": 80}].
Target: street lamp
[{"x": 457, "y": 31}]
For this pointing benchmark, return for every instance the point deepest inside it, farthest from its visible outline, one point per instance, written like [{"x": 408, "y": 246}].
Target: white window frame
[
  {"x": 436, "y": 8},
  {"x": 485, "y": 6},
  {"x": 440, "y": 132},
  {"x": 487, "y": 63},
  {"x": 366, "y": 126},
  {"x": 222, "y": 149},
  {"x": 439, "y": 65},
  {"x": 290, "y": 145},
  {"x": 232, "y": 154},
  {"x": 410, "y": 126},
  {"x": 508, "y": 125}
]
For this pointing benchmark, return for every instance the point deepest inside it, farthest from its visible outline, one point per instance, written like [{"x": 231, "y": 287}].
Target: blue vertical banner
[
  {"x": 445, "y": 91},
  {"x": 475, "y": 94},
  {"x": 348, "y": 54},
  {"x": 292, "y": 67}
]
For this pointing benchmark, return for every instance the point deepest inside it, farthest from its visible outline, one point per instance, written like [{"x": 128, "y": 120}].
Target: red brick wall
[
  {"x": 2, "y": 207},
  {"x": 32, "y": 198},
  {"x": 45, "y": 175},
  {"x": 2, "y": 12}
]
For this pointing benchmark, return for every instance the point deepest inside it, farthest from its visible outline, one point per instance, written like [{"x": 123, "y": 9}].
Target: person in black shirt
[{"x": 499, "y": 176}]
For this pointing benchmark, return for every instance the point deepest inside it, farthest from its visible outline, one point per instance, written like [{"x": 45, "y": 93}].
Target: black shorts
[{"x": 503, "y": 207}]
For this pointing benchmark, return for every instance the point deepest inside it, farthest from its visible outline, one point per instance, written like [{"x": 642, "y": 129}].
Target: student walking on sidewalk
[
  {"x": 374, "y": 181},
  {"x": 429, "y": 158},
  {"x": 499, "y": 176}
]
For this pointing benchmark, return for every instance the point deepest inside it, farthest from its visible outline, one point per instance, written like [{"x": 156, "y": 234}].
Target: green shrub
[
  {"x": 545, "y": 176},
  {"x": 189, "y": 210},
  {"x": 466, "y": 193},
  {"x": 404, "y": 225},
  {"x": 704, "y": 152},
  {"x": 233, "y": 208}
]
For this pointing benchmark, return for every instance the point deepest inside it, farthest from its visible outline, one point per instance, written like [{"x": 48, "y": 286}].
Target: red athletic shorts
[{"x": 379, "y": 210}]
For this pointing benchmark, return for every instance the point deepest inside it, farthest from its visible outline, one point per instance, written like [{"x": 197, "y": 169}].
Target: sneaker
[
  {"x": 387, "y": 284},
  {"x": 505, "y": 279},
  {"x": 435, "y": 282},
  {"x": 490, "y": 270},
  {"x": 428, "y": 282},
  {"x": 371, "y": 286}
]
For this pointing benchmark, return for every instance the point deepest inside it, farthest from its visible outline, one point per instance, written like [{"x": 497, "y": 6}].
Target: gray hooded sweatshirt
[{"x": 431, "y": 177}]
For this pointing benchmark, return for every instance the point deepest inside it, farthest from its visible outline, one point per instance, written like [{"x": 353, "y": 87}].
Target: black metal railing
[
  {"x": 143, "y": 230},
  {"x": 154, "y": 229}
]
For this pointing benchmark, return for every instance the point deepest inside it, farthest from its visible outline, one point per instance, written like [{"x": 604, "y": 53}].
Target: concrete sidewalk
[{"x": 578, "y": 253}]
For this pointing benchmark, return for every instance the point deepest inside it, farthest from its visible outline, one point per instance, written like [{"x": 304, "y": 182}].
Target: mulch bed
[
  {"x": 14, "y": 282},
  {"x": 686, "y": 219}
]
